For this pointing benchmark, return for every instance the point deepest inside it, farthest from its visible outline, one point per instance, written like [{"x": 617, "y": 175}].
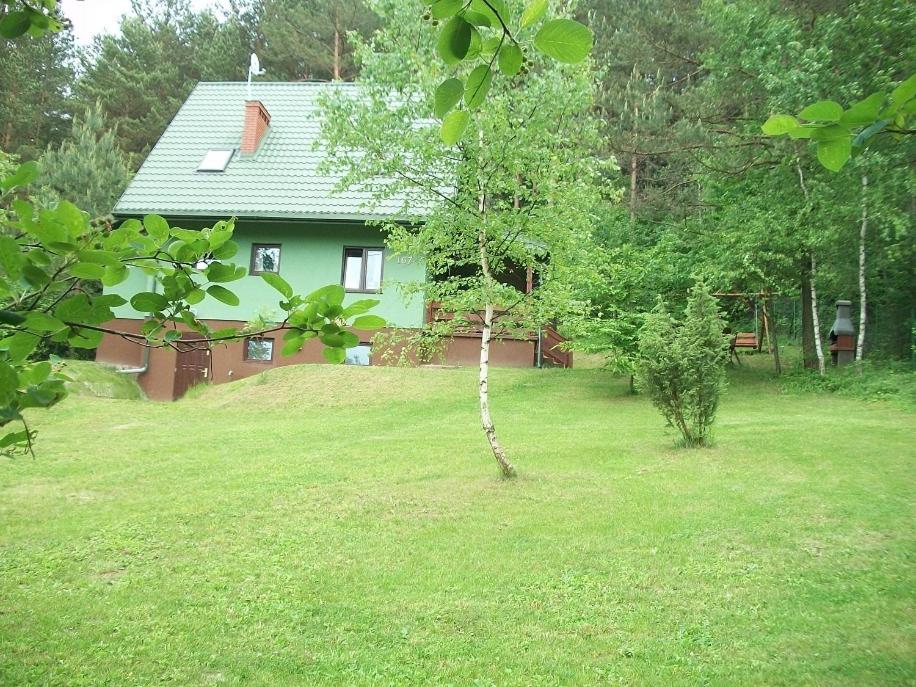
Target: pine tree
[
  {"x": 35, "y": 77},
  {"x": 309, "y": 40},
  {"x": 88, "y": 169},
  {"x": 142, "y": 75},
  {"x": 682, "y": 364}
]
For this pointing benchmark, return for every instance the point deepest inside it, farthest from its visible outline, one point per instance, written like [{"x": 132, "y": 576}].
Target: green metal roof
[{"x": 280, "y": 180}]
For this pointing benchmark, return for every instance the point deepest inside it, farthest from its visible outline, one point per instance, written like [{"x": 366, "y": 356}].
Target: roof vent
[{"x": 216, "y": 160}]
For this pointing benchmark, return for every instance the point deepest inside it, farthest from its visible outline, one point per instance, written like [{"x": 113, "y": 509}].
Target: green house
[{"x": 227, "y": 154}]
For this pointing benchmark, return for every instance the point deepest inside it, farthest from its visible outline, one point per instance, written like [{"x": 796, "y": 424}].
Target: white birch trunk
[
  {"x": 483, "y": 387},
  {"x": 336, "y": 53},
  {"x": 483, "y": 384},
  {"x": 860, "y": 342},
  {"x": 816, "y": 319}
]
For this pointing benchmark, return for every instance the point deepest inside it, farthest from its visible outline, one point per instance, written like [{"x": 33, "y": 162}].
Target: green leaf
[
  {"x": 24, "y": 175},
  {"x": 13, "y": 438},
  {"x": 533, "y": 13},
  {"x": 15, "y": 24},
  {"x": 779, "y": 124},
  {"x": 278, "y": 282},
  {"x": 111, "y": 300},
  {"x": 147, "y": 301},
  {"x": 100, "y": 257},
  {"x": 223, "y": 272},
  {"x": 822, "y": 111},
  {"x": 332, "y": 294},
  {"x": 42, "y": 322},
  {"x": 334, "y": 355},
  {"x": 225, "y": 250},
  {"x": 37, "y": 373},
  {"x": 156, "y": 227},
  {"x": 478, "y": 85},
  {"x": 833, "y": 153},
  {"x": 442, "y": 9},
  {"x": 369, "y": 322},
  {"x": 218, "y": 236},
  {"x": 11, "y": 257},
  {"x": 904, "y": 92},
  {"x": 510, "y": 59},
  {"x": 448, "y": 94},
  {"x": 454, "y": 40},
  {"x": 830, "y": 132},
  {"x": 863, "y": 112},
  {"x": 9, "y": 382},
  {"x": 188, "y": 236},
  {"x": 803, "y": 131},
  {"x": 115, "y": 275},
  {"x": 293, "y": 344},
  {"x": 76, "y": 308},
  {"x": 222, "y": 294},
  {"x": 491, "y": 45},
  {"x": 87, "y": 270},
  {"x": 564, "y": 40},
  {"x": 477, "y": 18},
  {"x": 34, "y": 275},
  {"x": 195, "y": 296},
  {"x": 332, "y": 339},
  {"x": 493, "y": 9},
  {"x": 359, "y": 307},
  {"x": 225, "y": 333},
  {"x": 85, "y": 338},
  {"x": 10, "y": 317},
  {"x": 453, "y": 126},
  {"x": 20, "y": 345},
  {"x": 349, "y": 339}
]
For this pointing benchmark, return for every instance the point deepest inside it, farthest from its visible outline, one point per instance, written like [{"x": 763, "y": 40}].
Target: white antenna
[{"x": 254, "y": 69}]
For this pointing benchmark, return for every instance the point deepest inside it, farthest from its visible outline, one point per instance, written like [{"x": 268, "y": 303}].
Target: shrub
[{"x": 681, "y": 365}]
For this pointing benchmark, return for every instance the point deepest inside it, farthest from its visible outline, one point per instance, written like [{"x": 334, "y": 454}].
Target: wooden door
[{"x": 191, "y": 367}]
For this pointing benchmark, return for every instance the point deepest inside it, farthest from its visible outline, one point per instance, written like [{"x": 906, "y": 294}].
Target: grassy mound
[
  {"x": 103, "y": 381},
  {"x": 326, "y": 386}
]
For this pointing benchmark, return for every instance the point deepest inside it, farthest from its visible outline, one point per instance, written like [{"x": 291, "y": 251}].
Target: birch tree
[
  {"x": 863, "y": 297},
  {"x": 811, "y": 294},
  {"x": 513, "y": 197}
]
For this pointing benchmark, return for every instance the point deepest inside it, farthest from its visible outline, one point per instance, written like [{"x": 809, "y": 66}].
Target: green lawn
[{"x": 345, "y": 526}]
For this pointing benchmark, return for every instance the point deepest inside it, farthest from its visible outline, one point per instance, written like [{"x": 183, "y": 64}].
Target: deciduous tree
[{"x": 506, "y": 191}]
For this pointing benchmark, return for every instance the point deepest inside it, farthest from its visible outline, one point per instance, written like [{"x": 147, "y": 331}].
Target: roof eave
[{"x": 122, "y": 214}]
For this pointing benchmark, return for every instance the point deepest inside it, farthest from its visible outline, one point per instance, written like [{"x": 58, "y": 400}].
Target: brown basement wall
[{"x": 227, "y": 362}]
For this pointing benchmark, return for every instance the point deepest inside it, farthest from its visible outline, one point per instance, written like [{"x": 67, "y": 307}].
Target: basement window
[
  {"x": 358, "y": 355},
  {"x": 216, "y": 160},
  {"x": 259, "y": 349},
  {"x": 265, "y": 257}
]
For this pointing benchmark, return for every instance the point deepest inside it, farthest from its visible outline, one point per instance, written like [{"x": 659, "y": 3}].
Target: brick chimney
[{"x": 257, "y": 119}]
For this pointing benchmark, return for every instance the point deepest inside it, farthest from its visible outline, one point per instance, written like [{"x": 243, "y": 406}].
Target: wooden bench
[{"x": 743, "y": 340}]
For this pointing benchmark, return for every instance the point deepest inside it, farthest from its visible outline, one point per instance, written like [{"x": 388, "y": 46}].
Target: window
[
  {"x": 265, "y": 258},
  {"x": 362, "y": 269},
  {"x": 259, "y": 349},
  {"x": 358, "y": 355},
  {"x": 215, "y": 160}
]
